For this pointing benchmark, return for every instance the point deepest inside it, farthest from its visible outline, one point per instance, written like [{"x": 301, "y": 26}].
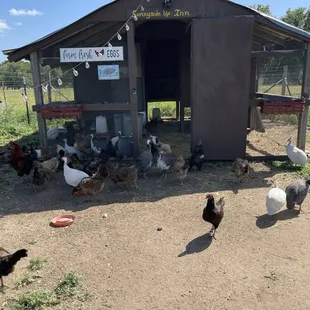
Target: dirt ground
[
  {"x": 257, "y": 262},
  {"x": 273, "y": 141}
]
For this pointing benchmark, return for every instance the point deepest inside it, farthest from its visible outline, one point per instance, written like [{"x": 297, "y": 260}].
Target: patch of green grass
[
  {"x": 37, "y": 300},
  {"x": 37, "y": 263},
  {"x": 69, "y": 285},
  {"x": 26, "y": 281},
  {"x": 290, "y": 167}
]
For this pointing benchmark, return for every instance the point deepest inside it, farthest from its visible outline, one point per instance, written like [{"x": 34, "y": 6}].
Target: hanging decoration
[
  {"x": 117, "y": 34},
  {"x": 135, "y": 17}
]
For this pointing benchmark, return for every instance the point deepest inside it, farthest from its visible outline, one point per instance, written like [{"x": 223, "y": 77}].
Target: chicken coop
[{"x": 200, "y": 54}]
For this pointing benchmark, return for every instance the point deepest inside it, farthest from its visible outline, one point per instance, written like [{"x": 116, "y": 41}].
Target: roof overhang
[{"x": 280, "y": 31}]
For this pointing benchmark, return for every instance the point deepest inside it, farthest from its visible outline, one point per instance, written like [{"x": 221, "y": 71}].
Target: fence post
[
  {"x": 26, "y": 100},
  {"x": 4, "y": 96},
  {"x": 49, "y": 88},
  {"x": 284, "y": 80}
]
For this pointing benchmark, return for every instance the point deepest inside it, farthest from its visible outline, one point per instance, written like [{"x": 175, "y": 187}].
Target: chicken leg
[
  {"x": 300, "y": 210},
  {"x": 2, "y": 284},
  {"x": 212, "y": 232}
]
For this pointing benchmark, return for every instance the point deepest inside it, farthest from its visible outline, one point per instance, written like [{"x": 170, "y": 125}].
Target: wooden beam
[
  {"x": 106, "y": 107},
  {"x": 279, "y": 53},
  {"x": 71, "y": 36},
  {"x": 36, "y": 77},
  {"x": 90, "y": 107},
  {"x": 303, "y": 118},
  {"x": 45, "y": 61},
  {"x": 102, "y": 37},
  {"x": 132, "y": 69},
  {"x": 82, "y": 39},
  {"x": 259, "y": 41},
  {"x": 259, "y": 32}
]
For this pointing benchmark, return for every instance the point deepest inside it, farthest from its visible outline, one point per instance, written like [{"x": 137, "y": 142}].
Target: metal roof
[
  {"x": 300, "y": 33},
  {"x": 279, "y": 22}
]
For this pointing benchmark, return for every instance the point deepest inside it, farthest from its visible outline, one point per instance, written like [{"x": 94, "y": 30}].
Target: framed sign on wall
[
  {"x": 108, "y": 72},
  {"x": 90, "y": 54}
]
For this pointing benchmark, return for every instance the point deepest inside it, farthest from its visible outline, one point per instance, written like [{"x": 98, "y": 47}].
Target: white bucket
[{"x": 101, "y": 124}]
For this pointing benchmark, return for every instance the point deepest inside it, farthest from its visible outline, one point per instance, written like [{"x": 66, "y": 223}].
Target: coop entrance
[{"x": 162, "y": 55}]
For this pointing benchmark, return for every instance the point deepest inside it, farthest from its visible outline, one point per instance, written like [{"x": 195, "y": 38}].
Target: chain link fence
[{"x": 278, "y": 76}]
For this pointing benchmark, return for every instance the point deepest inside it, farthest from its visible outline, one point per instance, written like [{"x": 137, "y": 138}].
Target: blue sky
[{"x": 22, "y": 22}]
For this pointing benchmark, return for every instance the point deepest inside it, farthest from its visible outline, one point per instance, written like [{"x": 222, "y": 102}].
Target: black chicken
[
  {"x": 197, "y": 157},
  {"x": 8, "y": 261},
  {"x": 296, "y": 192},
  {"x": 213, "y": 213}
]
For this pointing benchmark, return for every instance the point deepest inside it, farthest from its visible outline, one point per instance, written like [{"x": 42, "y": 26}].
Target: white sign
[
  {"x": 91, "y": 54},
  {"x": 108, "y": 72}
]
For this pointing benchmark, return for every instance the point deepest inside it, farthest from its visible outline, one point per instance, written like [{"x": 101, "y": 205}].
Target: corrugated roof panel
[{"x": 280, "y": 23}]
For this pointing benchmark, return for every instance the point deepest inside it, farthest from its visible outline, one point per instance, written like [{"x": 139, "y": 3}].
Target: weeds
[
  {"x": 37, "y": 300},
  {"x": 37, "y": 264},
  {"x": 69, "y": 285},
  {"x": 290, "y": 167},
  {"x": 26, "y": 281}
]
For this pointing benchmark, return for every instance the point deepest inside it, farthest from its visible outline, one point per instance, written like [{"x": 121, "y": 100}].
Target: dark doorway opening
[{"x": 161, "y": 69}]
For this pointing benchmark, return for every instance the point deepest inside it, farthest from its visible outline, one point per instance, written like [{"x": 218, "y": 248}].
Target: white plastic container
[{"x": 101, "y": 124}]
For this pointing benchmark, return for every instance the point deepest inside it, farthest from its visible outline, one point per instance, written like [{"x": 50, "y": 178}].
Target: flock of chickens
[{"x": 89, "y": 178}]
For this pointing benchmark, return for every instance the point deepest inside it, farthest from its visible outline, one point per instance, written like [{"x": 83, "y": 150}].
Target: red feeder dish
[
  {"x": 285, "y": 107},
  {"x": 61, "y": 112}
]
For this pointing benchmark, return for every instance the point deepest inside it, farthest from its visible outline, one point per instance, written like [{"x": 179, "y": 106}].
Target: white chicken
[
  {"x": 72, "y": 149},
  {"x": 93, "y": 147},
  {"x": 275, "y": 199},
  {"x": 53, "y": 133},
  {"x": 72, "y": 176},
  {"x": 116, "y": 138},
  {"x": 296, "y": 155}
]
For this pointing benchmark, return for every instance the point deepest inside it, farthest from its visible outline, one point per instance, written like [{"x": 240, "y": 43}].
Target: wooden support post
[
  {"x": 284, "y": 78},
  {"x": 303, "y": 119},
  {"x": 184, "y": 81},
  {"x": 177, "y": 109},
  {"x": 182, "y": 117},
  {"x": 36, "y": 76},
  {"x": 49, "y": 88},
  {"x": 132, "y": 69}
]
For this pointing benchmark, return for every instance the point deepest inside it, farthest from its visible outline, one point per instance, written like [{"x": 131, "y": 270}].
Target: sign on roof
[
  {"x": 160, "y": 13},
  {"x": 80, "y": 54}
]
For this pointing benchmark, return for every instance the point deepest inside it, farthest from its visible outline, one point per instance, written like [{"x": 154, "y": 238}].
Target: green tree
[
  {"x": 299, "y": 17},
  {"x": 262, "y": 8}
]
